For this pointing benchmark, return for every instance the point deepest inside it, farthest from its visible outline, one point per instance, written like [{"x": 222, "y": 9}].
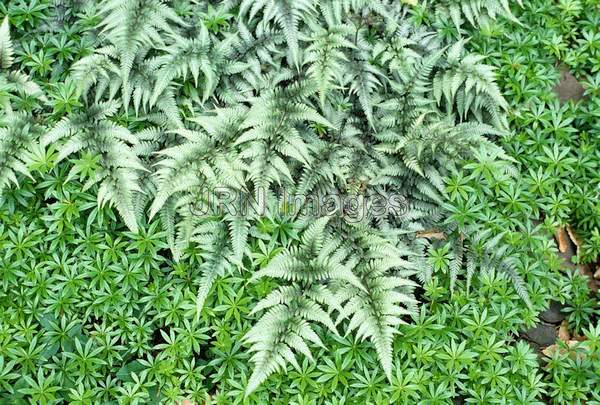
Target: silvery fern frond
[{"x": 93, "y": 132}]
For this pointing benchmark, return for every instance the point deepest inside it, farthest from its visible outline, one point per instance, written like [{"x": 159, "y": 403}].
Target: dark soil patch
[
  {"x": 568, "y": 87},
  {"x": 553, "y": 314},
  {"x": 543, "y": 334}
]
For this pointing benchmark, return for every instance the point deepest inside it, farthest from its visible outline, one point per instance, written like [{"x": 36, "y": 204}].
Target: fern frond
[{"x": 6, "y": 46}]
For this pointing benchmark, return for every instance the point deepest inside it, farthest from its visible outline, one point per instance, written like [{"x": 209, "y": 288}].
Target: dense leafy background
[
  {"x": 94, "y": 311},
  {"x": 555, "y": 144}
]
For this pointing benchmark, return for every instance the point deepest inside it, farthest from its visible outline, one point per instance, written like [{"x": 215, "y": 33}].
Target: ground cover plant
[
  {"x": 129, "y": 276},
  {"x": 549, "y": 75}
]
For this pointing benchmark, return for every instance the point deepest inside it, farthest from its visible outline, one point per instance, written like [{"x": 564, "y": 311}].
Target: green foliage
[
  {"x": 555, "y": 145},
  {"x": 165, "y": 110},
  {"x": 12, "y": 81},
  {"x": 573, "y": 370},
  {"x": 91, "y": 310}
]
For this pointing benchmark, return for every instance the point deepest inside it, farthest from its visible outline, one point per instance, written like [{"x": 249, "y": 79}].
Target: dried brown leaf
[
  {"x": 431, "y": 234},
  {"x": 550, "y": 350},
  {"x": 574, "y": 238},
  {"x": 562, "y": 238},
  {"x": 563, "y": 332}
]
